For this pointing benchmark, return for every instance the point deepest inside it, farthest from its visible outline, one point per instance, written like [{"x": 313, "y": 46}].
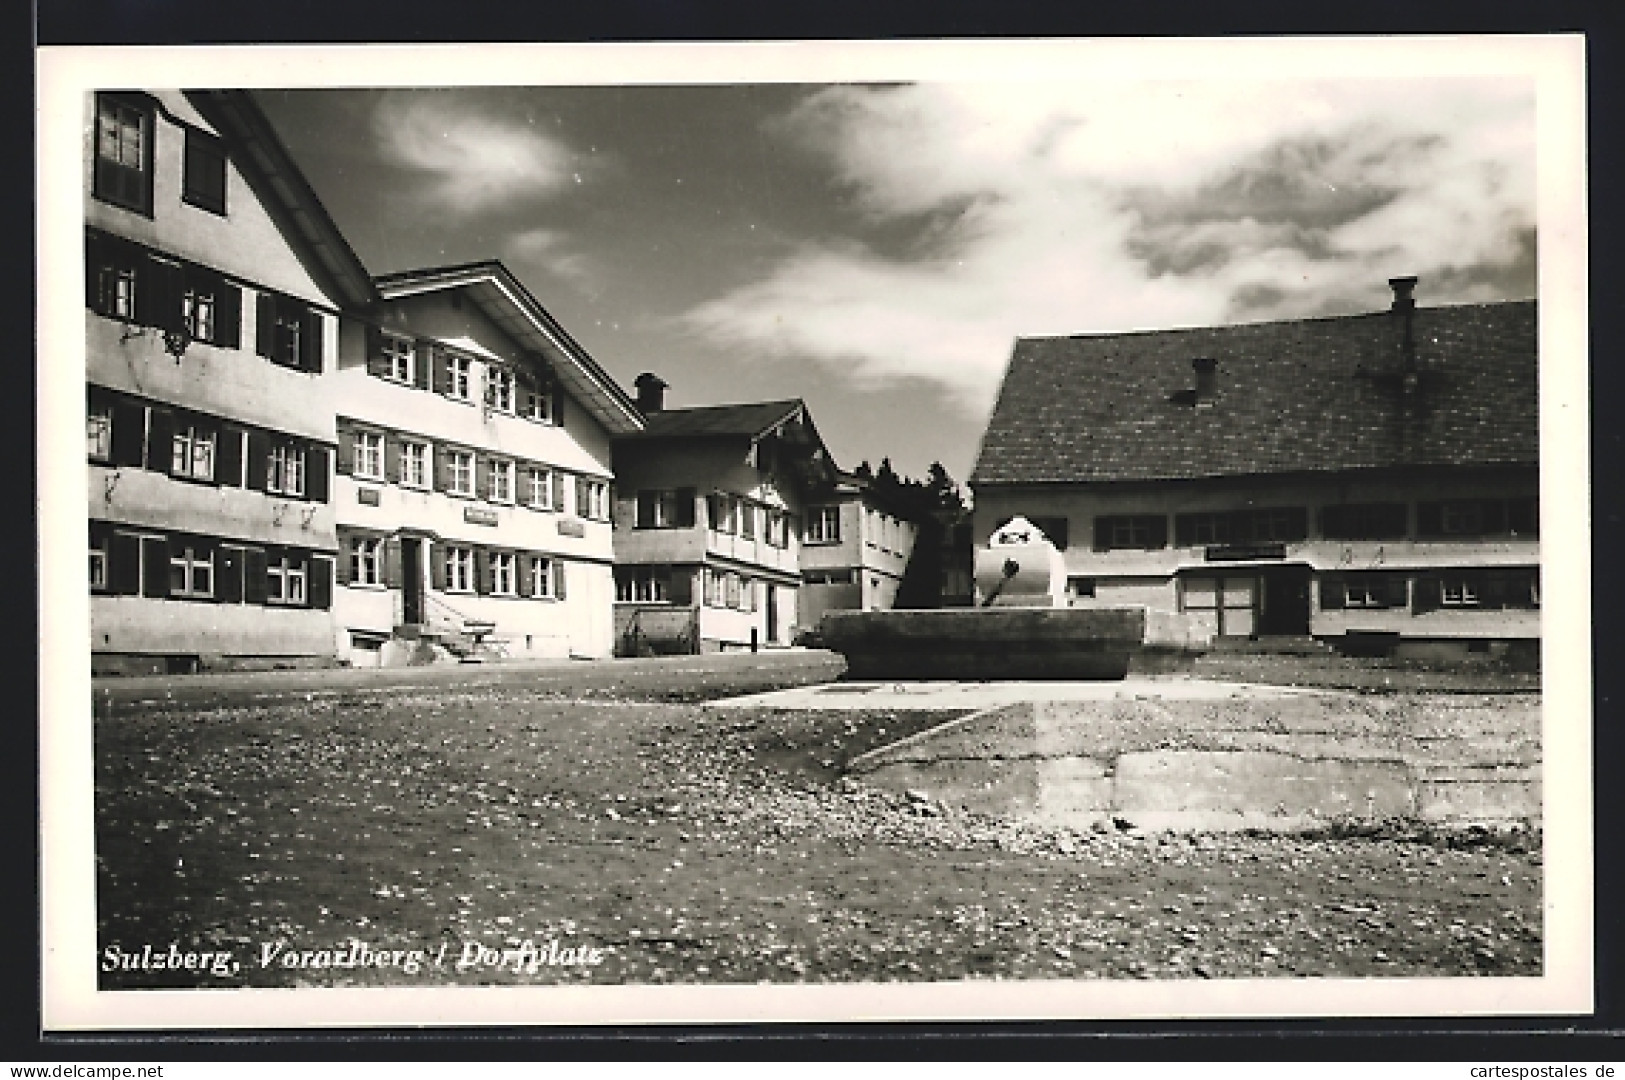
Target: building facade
[
  {"x": 213, "y": 286},
  {"x": 854, "y": 551},
  {"x": 1370, "y": 480},
  {"x": 707, "y": 519},
  {"x": 472, "y": 497}
]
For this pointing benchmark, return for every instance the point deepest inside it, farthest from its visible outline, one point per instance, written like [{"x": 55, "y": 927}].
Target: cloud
[
  {"x": 472, "y": 157},
  {"x": 1043, "y": 209},
  {"x": 548, "y": 251}
]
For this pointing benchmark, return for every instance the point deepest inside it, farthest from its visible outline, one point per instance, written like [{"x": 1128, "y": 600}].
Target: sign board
[
  {"x": 479, "y": 515},
  {"x": 1239, "y": 552},
  {"x": 572, "y": 527},
  {"x": 366, "y": 496}
]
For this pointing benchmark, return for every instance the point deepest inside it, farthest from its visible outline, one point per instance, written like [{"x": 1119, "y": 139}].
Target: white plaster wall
[{"x": 133, "y": 624}]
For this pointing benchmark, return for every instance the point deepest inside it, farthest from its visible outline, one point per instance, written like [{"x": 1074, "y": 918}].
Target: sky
[{"x": 876, "y": 249}]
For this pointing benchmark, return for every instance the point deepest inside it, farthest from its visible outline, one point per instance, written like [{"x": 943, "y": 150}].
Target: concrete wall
[
  {"x": 1282, "y": 762},
  {"x": 133, "y": 624}
]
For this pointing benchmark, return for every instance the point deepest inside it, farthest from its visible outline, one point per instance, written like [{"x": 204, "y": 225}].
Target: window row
[
  {"x": 674, "y": 585},
  {"x": 727, "y": 513},
  {"x": 124, "y": 155},
  {"x": 429, "y": 365},
  {"x": 1447, "y": 518},
  {"x": 183, "y": 566},
  {"x": 1492, "y": 589},
  {"x": 123, "y": 432},
  {"x": 464, "y": 568},
  {"x": 391, "y": 458},
  {"x": 126, "y": 281}
]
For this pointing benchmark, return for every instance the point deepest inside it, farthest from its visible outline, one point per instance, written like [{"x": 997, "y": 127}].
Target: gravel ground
[{"x": 690, "y": 844}]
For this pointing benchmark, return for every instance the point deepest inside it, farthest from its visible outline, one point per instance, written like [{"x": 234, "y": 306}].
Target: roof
[
  {"x": 750, "y": 421},
  {"x": 281, "y": 187},
  {"x": 505, "y": 300},
  {"x": 1302, "y": 396}
]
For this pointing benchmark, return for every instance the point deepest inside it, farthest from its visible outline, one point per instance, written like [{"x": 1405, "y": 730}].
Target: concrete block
[
  {"x": 1253, "y": 781},
  {"x": 996, "y": 787}
]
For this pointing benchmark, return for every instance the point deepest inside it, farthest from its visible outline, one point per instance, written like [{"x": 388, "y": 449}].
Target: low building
[
  {"x": 708, "y": 516},
  {"x": 855, "y": 549},
  {"x": 472, "y": 496},
  {"x": 1371, "y": 480},
  {"x": 213, "y": 285}
]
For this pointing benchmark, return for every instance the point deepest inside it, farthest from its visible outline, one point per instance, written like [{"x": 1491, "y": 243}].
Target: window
[
  {"x": 823, "y": 525},
  {"x": 203, "y": 182},
  {"x": 285, "y": 470},
  {"x": 460, "y": 472},
  {"x": 1200, "y": 529},
  {"x": 366, "y": 560},
  {"x": 1271, "y": 524},
  {"x": 1142, "y": 531},
  {"x": 541, "y": 577},
  {"x": 124, "y": 152},
  {"x": 776, "y": 533},
  {"x": 501, "y": 483},
  {"x": 416, "y": 464},
  {"x": 459, "y": 377},
  {"x": 1081, "y": 588},
  {"x": 1364, "y": 521},
  {"x": 723, "y": 510},
  {"x": 1458, "y": 592},
  {"x": 504, "y": 580},
  {"x": 197, "y": 314},
  {"x": 538, "y": 405},
  {"x": 288, "y": 332},
  {"x": 192, "y": 453},
  {"x": 99, "y": 432},
  {"x": 643, "y": 584},
  {"x": 499, "y": 388},
  {"x": 459, "y": 569},
  {"x": 285, "y": 579},
  {"x": 747, "y": 519},
  {"x": 369, "y": 455},
  {"x": 665, "y": 509},
  {"x": 191, "y": 571},
  {"x": 592, "y": 498},
  {"x": 399, "y": 357},
  {"x": 98, "y": 564},
  {"x": 119, "y": 291},
  {"x": 539, "y": 488},
  {"x": 1363, "y": 589},
  {"x": 1461, "y": 519},
  {"x": 731, "y": 590}
]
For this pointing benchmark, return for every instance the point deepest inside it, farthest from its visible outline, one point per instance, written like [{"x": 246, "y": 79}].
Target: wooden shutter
[
  {"x": 1297, "y": 523},
  {"x": 582, "y": 503},
  {"x": 94, "y": 254},
  {"x": 558, "y": 491},
  {"x": 1429, "y": 519},
  {"x": 523, "y": 568},
  {"x": 442, "y": 372},
  {"x": 259, "y": 460},
  {"x": 556, "y": 403},
  {"x": 310, "y": 341},
  {"x": 129, "y": 433},
  {"x": 377, "y": 363},
  {"x": 420, "y": 365},
  {"x": 124, "y": 565},
  {"x": 1159, "y": 532},
  {"x": 158, "y": 295},
  {"x": 319, "y": 583},
  {"x": 442, "y": 468},
  {"x": 527, "y": 400},
  {"x": 393, "y": 449},
  {"x": 345, "y": 464},
  {"x": 228, "y": 464},
  {"x": 1103, "y": 533},
  {"x": 1428, "y": 593},
  {"x": 646, "y": 509},
  {"x": 316, "y": 467},
  {"x": 341, "y": 562},
  {"x": 482, "y": 478},
  {"x": 228, "y": 575},
  {"x": 264, "y": 324},
  {"x": 1331, "y": 592},
  {"x": 154, "y": 567},
  {"x": 254, "y": 576},
  {"x": 1394, "y": 591},
  {"x": 482, "y": 571},
  {"x": 1495, "y": 516},
  {"x": 680, "y": 590},
  {"x": 393, "y": 568},
  {"x": 437, "y": 567},
  {"x": 228, "y": 314},
  {"x": 161, "y": 441},
  {"x": 713, "y": 509},
  {"x": 558, "y": 579}
]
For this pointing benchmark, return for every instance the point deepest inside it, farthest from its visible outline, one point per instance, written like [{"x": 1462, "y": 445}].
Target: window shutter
[
  {"x": 228, "y": 466},
  {"x": 1159, "y": 532},
  {"x": 254, "y": 576},
  {"x": 1495, "y": 516},
  {"x": 713, "y": 510},
  {"x": 1394, "y": 591},
  {"x": 161, "y": 441},
  {"x": 154, "y": 567},
  {"x": 646, "y": 510},
  {"x": 393, "y": 449},
  {"x": 1103, "y": 534},
  {"x": 228, "y": 575},
  {"x": 442, "y": 468},
  {"x": 393, "y": 568},
  {"x": 1429, "y": 519},
  {"x": 341, "y": 562},
  {"x": 124, "y": 565},
  {"x": 558, "y": 579},
  {"x": 482, "y": 571},
  {"x": 158, "y": 295},
  {"x": 310, "y": 341},
  {"x": 377, "y": 363},
  {"x": 420, "y": 365},
  {"x": 228, "y": 315},
  {"x": 1331, "y": 592},
  {"x": 437, "y": 566},
  {"x": 482, "y": 478},
  {"x": 557, "y": 403},
  {"x": 582, "y": 504},
  {"x": 1297, "y": 522},
  {"x": 442, "y": 372},
  {"x": 93, "y": 273},
  {"x": 1427, "y": 594},
  {"x": 129, "y": 433},
  {"x": 264, "y": 324},
  {"x": 680, "y": 590},
  {"x": 558, "y": 491},
  {"x": 319, "y": 589},
  {"x": 345, "y": 464},
  {"x": 316, "y": 467},
  {"x": 259, "y": 460},
  {"x": 523, "y": 566},
  {"x": 527, "y": 400}
]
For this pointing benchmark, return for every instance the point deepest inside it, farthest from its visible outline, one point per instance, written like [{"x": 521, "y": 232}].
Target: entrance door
[
  {"x": 411, "y": 581},
  {"x": 772, "y": 611},
  {"x": 1284, "y": 601}
]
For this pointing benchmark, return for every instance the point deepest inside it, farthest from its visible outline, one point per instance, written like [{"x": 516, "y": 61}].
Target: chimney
[
  {"x": 1403, "y": 288},
  {"x": 1405, "y": 305},
  {"x": 651, "y": 392},
  {"x": 1207, "y": 380}
]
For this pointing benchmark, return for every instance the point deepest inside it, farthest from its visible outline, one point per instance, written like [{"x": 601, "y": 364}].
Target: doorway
[
  {"x": 411, "y": 581},
  {"x": 772, "y": 612},
  {"x": 1283, "y": 607}
]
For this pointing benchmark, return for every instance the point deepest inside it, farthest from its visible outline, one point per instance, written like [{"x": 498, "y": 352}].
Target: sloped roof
[
  {"x": 749, "y": 421},
  {"x": 505, "y": 300},
  {"x": 1302, "y": 396}
]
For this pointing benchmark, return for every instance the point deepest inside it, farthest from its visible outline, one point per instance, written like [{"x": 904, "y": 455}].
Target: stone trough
[{"x": 1291, "y": 762}]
